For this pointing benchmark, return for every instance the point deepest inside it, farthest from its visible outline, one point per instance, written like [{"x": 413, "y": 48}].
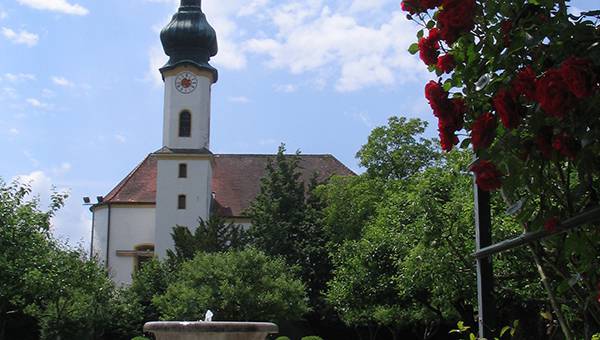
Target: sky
[{"x": 81, "y": 98}]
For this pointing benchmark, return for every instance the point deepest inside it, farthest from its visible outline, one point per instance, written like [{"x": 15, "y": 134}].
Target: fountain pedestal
[{"x": 174, "y": 330}]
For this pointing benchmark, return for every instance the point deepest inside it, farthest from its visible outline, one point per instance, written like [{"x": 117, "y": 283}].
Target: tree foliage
[
  {"x": 245, "y": 285},
  {"x": 398, "y": 149},
  {"x": 212, "y": 235}
]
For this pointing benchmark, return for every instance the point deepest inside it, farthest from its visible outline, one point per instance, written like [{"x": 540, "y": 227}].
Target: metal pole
[{"x": 485, "y": 274}]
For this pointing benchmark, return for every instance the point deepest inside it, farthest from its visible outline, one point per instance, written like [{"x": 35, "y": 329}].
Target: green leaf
[
  {"x": 504, "y": 330},
  {"x": 420, "y": 34},
  {"x": 413, "y": 49},
  {"x": 472, "y": 336}
]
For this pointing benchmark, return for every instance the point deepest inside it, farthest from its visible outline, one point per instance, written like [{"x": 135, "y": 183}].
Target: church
[{"x": 183, "y": 180}]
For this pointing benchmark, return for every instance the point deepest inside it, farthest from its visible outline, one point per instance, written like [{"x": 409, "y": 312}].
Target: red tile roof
[{"x": 235, "y": 182}]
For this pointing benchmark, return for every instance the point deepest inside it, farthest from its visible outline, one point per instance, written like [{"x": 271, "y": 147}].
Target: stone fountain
[{"x": 203, "y": 330}]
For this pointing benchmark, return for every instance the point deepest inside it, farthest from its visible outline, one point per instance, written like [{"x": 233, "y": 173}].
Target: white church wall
[
  {"x": 197, "y": 103},
  {"x": 197, "y": 189},
  {"x": 100, "y": 228},
  {"x": 130, "y": 226}
]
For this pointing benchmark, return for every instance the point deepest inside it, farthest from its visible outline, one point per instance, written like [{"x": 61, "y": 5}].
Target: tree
[
  {"x": 213, "y": 235},
  {"x": 245, "y": 285},
  {"x": 287, "y": 221},
  {"x": 412, "y": 267},
  {"x": 397, "y": 150},
  {"x": 25, "y": 243}
]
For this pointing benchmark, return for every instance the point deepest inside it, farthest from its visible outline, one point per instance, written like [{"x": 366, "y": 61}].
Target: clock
[{"x": 186, "y": 82}]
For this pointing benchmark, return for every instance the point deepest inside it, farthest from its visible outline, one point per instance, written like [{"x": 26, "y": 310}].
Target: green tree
[
  {"x": 412, "y": 265},
  {"x": 25, "y": 242},
  {"x": 287, "y": 221},
  {"x": 212, "y": 235},
  {"x": 242, "y": 285},
  {"x": 398, "y": 149}
]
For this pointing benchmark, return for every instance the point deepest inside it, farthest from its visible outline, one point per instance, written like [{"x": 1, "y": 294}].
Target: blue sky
[{"x": 81, "y": 97}]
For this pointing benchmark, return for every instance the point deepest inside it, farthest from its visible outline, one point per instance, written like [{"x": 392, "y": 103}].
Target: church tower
[{"x": 183, "y": 188}]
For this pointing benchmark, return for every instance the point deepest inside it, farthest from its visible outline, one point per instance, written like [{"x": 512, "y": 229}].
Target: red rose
[
  {"x": 448, "y": 138},
  {"x": 551, "y": 224},
  {"x": 524, "y": 84},
  {"x": 487, "y": 176},
  {"x": 411, "y": 6},
  {"x": 446, "y": 63},
  {"x": 428, "y": 48},
  {"x": 543, "y": 140},
  {"x": 565, "y": 145},
  {"x": 579, "y": 76},
  {"x": 508, "y": 108},
  {"x": 483, "y": 131},
  {"x": 450, "y": 113},
  {"x": 553, "y": 94},
  {"x": 455, "y": 18},
  {"x": 506, "y": 27}
]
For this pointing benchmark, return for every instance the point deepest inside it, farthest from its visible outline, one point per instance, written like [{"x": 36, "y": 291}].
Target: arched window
[{"x": 185, "y": 124}]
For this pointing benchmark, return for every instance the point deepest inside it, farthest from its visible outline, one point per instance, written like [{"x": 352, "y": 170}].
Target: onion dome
[{"x": 189, "y": 38}]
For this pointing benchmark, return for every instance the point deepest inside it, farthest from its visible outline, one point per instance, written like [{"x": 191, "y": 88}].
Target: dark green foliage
[
  {"x": 398, "y": 150},
  {"x": 312, "y": 337},
  {"x": 242, "y": 285},
  {"x": 150, "y": 280},
  {"x": 282, "y": 338},
  {"x": 214, "y": 235},
  {"x": 287, "y": 221}
]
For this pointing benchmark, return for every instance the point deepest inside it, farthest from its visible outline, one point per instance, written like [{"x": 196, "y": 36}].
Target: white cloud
[
  {"x": 61, "y": 170},
  {"x": 311, "y": 40},
  {"x": 62, "y": 6},
  {"x": 71, "y": 222},
  {"x": 22, "y": 37},
  {"x": 351, "y": 44},
  {"x": 120, "y": 138},
  {"x": 37, "y": 104},
  {"x": 13, "y": 131},
  {"x": 46, "y": 93},
  {"x": 18, "y": 77},
  {"x": 3, "y": 15},
  {"x": 239, "y": 99},
  {"x": 286, "y": 88},
  {"x": 62, "y": 81}
]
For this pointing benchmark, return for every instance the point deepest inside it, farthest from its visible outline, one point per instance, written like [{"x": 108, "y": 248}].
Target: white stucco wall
[
  {"x": 197, "y": 102},
  {"x": 100, "y": 228},
  {"x": 130, "y": 226},
  {"x": 197, "y": 189}
]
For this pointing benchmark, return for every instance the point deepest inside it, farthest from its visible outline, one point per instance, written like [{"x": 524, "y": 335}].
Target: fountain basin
[{"x": 176, "y": 330}]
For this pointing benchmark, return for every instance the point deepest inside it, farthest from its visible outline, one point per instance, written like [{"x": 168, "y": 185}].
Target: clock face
[{"x": 186, "y": 82}]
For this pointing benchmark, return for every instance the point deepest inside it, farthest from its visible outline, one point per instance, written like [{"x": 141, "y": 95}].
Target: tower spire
[
  {"x": 191, "y": 3},
  {"x": 189, "y": 38}
]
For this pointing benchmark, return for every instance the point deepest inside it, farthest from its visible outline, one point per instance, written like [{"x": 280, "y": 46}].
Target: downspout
[
  {"x": 92, "y": 238},
  {"x": 108, "y": 236}
]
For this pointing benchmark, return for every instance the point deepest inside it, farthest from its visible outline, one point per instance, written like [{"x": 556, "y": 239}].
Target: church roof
[{"x": 235, "y": 182}]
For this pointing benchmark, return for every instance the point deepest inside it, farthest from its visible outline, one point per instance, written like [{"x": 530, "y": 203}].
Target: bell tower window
[
  {"x": 181, "y": 202},
  {"x": 182, "y": 170},
  {"x": 185, "y": 124}
]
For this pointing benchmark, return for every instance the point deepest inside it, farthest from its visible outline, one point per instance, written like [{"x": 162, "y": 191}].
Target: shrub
[
  {"x": 282, "y": 338},
  {"x": 236, "y": 285},
  {"x": 312, "y": 337}
]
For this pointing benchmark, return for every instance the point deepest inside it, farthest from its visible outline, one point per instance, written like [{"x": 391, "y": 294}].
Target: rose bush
[{"x": 519, "y": 82}]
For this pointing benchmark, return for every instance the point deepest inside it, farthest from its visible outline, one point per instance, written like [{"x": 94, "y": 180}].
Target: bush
[
  {"x": 312, "y": 337},
  {"x": 242, "y": 285},
  {"x": 282, "y": 338}
]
